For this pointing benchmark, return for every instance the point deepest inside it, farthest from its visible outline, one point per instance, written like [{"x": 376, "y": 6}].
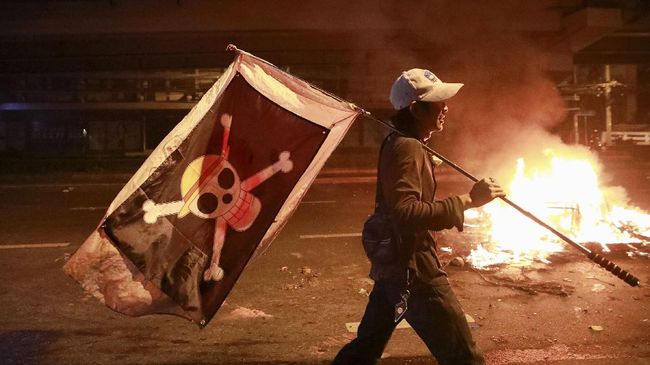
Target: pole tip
[{"x": 232, "y": 47}]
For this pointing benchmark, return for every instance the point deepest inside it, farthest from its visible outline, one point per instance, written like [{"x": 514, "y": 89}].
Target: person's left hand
[{"x": 484, "y": 191}]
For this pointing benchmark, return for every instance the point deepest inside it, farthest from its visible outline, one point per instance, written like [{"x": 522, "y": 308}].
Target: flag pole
[{"x": 593, "y": 256}]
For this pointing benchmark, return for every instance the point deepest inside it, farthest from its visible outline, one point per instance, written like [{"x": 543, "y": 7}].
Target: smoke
[{"x": 508, "y": 101}]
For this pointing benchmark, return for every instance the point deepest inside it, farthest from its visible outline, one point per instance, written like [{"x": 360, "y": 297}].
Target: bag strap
[
  {"x": 379, "y": 201},
  {"x": 379, "y": 194}
]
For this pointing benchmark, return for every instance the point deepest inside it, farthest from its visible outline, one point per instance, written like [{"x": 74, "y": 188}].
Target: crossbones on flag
[{"x": 215, "y": 192}]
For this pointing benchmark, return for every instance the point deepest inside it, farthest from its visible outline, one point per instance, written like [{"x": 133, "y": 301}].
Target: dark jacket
[{"x": 408, "y": 187}]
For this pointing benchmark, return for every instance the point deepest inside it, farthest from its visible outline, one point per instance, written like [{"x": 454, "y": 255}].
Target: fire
[{"x": 563, "y": 190}]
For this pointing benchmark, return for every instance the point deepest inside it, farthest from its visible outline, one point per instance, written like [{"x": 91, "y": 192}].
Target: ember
[{"x": 564, "y": 190}]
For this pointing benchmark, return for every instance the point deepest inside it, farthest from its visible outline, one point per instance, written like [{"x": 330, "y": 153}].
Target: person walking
[{"x": 412, "y": 285}]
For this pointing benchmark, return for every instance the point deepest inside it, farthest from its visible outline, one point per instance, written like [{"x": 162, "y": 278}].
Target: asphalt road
[{"x": 292, "y": 304}]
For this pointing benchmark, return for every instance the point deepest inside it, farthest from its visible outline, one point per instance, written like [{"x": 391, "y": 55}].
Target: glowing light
[{"x": 565, "y": 192}]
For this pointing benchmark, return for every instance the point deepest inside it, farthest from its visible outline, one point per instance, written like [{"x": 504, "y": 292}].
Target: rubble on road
[
  {"x": 471, "y": 321},
  {"x": 247, "y": 313},
  {"x": 457, "y": 261},
  {"x": 305, "y": 277},
  {"x": 597, "y": 288},
  {"x": 527, "y": 285}
]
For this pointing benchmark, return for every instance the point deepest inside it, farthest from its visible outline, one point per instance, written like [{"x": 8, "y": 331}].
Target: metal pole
[
  {"x": 576, "y": 130},
  {"x": 608, "y": 106},
  {"x": 143, "y": 127}
]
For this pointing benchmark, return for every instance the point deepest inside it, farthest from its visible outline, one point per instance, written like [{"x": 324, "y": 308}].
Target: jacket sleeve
[{"x": 401, "y": 181}]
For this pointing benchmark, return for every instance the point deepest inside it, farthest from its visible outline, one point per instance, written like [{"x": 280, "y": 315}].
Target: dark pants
[{"x": 433, "y": 312}]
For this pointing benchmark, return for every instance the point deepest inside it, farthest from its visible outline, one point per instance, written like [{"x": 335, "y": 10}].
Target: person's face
[{"x": 431, "y": 117}]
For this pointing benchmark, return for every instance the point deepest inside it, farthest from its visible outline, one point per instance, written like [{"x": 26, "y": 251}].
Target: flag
[{"x": 215, "y": 192}]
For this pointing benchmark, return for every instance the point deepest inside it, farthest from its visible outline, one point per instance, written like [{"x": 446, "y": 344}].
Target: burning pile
[{"x": 562, "y": 189}]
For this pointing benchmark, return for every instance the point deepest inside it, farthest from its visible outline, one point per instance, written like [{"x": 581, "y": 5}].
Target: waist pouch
[
  {"x": 378, "y": 239},
  {"x": 380, "y": 242}
]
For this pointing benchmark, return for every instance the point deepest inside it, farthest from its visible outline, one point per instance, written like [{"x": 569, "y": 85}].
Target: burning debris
[{"x": 565, "y": 192}]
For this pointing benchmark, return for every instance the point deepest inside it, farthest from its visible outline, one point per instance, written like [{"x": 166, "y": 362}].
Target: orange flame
[{"x": 565, "y": 192}]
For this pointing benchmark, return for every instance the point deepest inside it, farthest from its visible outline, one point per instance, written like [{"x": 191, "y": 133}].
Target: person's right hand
[{"x": 484, "y": 191}]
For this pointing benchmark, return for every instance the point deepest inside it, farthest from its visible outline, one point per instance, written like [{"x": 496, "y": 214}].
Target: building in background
[{"x": 111, "y": 78}]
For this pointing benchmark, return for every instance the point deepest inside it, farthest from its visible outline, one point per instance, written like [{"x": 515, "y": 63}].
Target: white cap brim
[{"x": 442, "y": 91}]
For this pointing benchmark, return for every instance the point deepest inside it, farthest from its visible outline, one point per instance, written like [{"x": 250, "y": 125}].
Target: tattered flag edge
[{"x": 101, "y": 269}]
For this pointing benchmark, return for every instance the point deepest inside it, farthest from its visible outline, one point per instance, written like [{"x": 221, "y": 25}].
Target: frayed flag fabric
[{"x": 213, "y": 194}]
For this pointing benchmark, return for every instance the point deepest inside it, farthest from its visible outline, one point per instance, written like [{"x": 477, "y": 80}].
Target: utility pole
[{"x": 608, "y": 106}]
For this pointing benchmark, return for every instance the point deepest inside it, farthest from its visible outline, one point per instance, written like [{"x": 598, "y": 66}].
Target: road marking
[
  {"x": 372, "y": 179},
  {"x": 88, "y": 208},
  {"x": 345, "y": 180},
  {"x": 352, "y": 327},
  {"x": 333, "y": 235},
  {"x": 35, "y": 245},
  {"x": 20, "y": 186},
  {"x": 347, "y": 171},
  {"x": 319, "y": 181},
  {"x": 328, "y": 180},
  {"x": 318, "y": 202}
]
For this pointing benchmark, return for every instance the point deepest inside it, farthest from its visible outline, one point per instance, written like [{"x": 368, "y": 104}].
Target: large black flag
[{"x": 218, "y": 188}]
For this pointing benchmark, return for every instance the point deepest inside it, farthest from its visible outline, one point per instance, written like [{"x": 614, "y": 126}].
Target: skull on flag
[{"x": 211, "y": 189}]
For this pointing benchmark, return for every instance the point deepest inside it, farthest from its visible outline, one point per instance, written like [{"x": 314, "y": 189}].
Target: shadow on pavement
[
  {"x": 387, "y": 361},
  {"x": 24, "y": 346}
]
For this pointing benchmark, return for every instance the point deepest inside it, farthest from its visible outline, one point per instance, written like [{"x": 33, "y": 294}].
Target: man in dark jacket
[{"x": 406, "y": 188}]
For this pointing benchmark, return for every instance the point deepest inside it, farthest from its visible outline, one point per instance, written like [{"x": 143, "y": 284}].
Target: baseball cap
[{"x": 418, "y": 84}]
